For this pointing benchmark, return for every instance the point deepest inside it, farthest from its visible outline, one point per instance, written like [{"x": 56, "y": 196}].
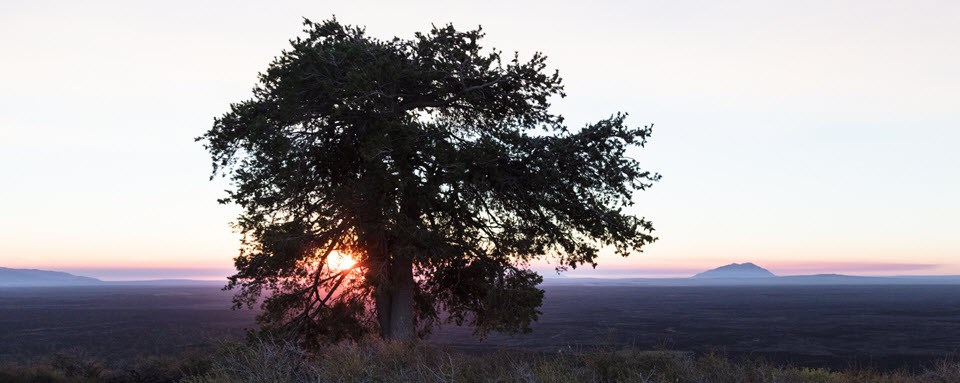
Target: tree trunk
[
  {"x": 382, "y": 298},
  {"x": 402, "y": 319},
  {"x": 399, "y": 322},
  {"x": 394, "y": 301},
  {"x": 381, "y": 269}
]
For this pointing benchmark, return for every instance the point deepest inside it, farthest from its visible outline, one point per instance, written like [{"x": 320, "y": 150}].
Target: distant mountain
[
  {"x": 169, "y": 282},
  {"x": 30, "y": 277},
  {"x": 791, "y": 280},
  {"x": 737, "y": 270}
]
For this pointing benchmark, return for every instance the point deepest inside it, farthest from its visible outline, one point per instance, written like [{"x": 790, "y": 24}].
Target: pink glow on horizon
[
  {"x": 864, "y": 268},
  {"x": 149, "y": 273},
  {"x": 782, "y": 268}
]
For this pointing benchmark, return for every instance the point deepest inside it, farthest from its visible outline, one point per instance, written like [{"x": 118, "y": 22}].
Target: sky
[{"x": 806, "y": 137}]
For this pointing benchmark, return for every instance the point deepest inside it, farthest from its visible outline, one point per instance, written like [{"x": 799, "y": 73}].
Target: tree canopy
[{"x": 436, "y": 165}]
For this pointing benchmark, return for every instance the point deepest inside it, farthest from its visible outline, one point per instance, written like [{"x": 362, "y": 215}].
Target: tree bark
[
  {"x": 394, "y": 302},
  {"x": 402, "y": 286},
  {"x": 383, "y": 305},
  {"x": 402, "y": 317},
  {"x": 381, "y": 269}
]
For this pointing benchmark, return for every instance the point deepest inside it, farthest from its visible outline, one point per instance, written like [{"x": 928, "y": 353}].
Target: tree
[{"x": 434, "y": 164}]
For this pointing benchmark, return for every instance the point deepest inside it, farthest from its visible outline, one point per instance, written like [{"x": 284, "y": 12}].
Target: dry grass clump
[
  {"x": 80, "y": 367},
  {"x": 378, "y": 361},
  {"x": 268, "y": 360}
]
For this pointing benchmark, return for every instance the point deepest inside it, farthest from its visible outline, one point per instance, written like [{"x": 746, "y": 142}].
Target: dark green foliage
[{"x": 431, "y": 155}]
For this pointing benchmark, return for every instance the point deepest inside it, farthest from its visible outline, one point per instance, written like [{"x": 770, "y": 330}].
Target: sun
[{"x": 340, "y": 261}]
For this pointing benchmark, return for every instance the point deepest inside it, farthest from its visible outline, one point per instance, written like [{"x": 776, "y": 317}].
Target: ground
[{"x": 815, "y": 326}]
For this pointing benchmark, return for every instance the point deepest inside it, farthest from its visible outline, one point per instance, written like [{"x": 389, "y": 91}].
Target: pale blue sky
[{"x": 814, "y": 136}]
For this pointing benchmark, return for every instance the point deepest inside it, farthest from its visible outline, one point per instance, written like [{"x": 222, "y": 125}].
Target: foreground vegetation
[{"x": 261, "y": 361}]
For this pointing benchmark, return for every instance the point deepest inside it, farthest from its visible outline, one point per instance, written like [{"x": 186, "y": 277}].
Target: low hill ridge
[
  {"x": 737, "y": 270},
  {"x": 32, "y": 277}
]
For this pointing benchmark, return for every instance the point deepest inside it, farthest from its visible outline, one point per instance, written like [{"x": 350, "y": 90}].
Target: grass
[
  {"x": 78, "y": 367},
  {"x": 270, "y": 360}
]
